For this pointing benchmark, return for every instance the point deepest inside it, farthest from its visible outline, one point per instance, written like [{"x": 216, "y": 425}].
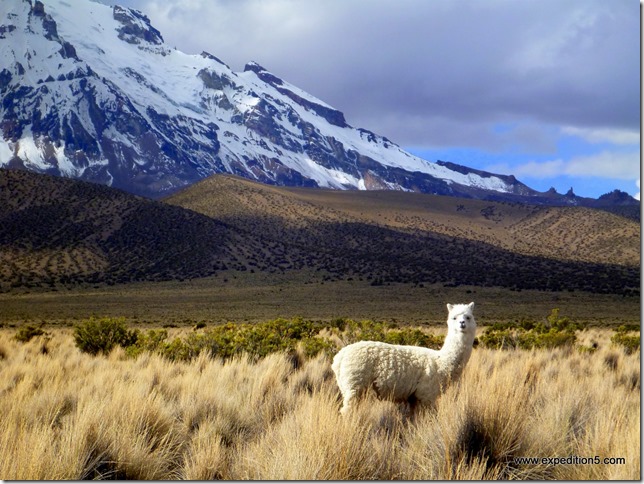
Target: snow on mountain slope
[{"x": 93, "y": 92}]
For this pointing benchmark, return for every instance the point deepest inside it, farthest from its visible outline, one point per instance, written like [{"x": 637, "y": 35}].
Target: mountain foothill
[{"x": 62, "y": 233}]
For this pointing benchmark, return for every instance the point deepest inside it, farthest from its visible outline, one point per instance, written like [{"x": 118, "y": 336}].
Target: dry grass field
[{"x": 68, "y": 415}]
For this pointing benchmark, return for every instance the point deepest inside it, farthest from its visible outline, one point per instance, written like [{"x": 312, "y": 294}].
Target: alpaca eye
[{"x": 467, "y": 317}]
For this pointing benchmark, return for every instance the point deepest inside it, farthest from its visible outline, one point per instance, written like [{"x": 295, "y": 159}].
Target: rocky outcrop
[{"x": 136, "y": 27}]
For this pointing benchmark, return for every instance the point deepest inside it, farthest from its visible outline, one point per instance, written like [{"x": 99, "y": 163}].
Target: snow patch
[
  {"x": 328, "y": 177},
  {"x": 65, "y": 165},
  {"x": 6, "y": 152},
  {"x": 30, "y": 152}
]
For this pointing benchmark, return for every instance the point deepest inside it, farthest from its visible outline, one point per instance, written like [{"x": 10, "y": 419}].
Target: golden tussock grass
[{"x": 68, "y": 415}]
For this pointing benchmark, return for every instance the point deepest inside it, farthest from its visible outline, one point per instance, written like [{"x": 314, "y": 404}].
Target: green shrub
[
  {"x": 152, "y": 341},
  {"x": 630, "y": 342},
  {"x": 25, "y": 333},
  {"x": 554, "y": 332},
  {"x": 525, "y": 324},
  {"x": 631, "y": 327},
  {"x": 365, "y": 330},
  {"x": 101, "y": 335},
  {"x": 414, "y": 337},
  {"x": 562, "y": 324},
  {"x": 264, "y": 338},
  {"x": 551, "y": 339},
  {"x": 499, "y": 339},
  {"x": 339, "y": 323},
  {"x": 315, "y": 345},
  {"x": 230, "y": 339},
  {"x": 178, "y": 350},
  {"x": 258, "y": 340}
]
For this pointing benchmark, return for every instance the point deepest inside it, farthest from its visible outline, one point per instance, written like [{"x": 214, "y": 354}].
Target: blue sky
[
  {"x": 590, "y": 163},
  {"x": 546, "y": 90}
]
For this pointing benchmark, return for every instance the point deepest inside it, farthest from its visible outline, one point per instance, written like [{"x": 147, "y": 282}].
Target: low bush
[
  {"x": 26, "y": 333},
  {"x": 554, "y": 332},
  {"x": 527, "y": 340},
  {"x": 414, "y": 337},
  {"x": 230, "y": 339},
  {"x": 368, "y": 330},
  {"x": 178, "y": 350},
  {"x": 499, "y": 339},
  {"x": 365, "y": 330},
  {"x": 625, "y": 328},
  {"x": 256, "y": 340},
  {"x": 523, "y": 324},
  {"x": 561, "y": 324},
  {"x": 629, "y": 342},
  {"x": 152, "y": 341},
  {"x": 102, "y": 335},
  {"x": 315, "y": 345},
  {"x": 551, "y": 339}
]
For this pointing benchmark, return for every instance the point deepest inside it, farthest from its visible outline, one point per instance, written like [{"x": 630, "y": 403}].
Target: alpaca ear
[
  {"x": 450, "y": 307},
  {"x": 471, "y": 305}
]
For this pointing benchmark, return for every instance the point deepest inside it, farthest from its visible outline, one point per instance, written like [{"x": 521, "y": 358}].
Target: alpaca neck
[{"x": 454, "y": 355}]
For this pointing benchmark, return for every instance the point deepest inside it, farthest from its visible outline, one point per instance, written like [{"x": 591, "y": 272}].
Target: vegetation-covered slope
[
  {"x": 58, "y": 231},
  {"x": 408, "y": 237}
]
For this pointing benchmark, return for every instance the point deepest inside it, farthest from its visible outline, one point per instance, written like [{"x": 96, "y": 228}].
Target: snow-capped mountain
[{"x": 93, "y": 92}]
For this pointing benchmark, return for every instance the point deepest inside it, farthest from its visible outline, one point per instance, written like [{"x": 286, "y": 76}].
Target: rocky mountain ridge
[{"x": 93, "y": 92}]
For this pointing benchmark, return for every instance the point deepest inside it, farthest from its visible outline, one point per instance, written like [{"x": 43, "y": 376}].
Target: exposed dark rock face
[{"x": 136, "y": 27}]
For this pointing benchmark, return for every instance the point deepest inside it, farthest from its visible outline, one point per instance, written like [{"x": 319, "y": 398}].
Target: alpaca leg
[
  {"x": 347, "y": 402},
  {"x": 426, "y": 396}
]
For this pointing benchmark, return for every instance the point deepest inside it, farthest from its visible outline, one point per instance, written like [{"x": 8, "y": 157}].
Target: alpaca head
[{"x": 461, "y": 319}]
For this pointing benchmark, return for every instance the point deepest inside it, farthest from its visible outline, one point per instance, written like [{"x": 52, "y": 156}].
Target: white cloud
[
  {"x": 614, "y": 136},
  {"x": 607, "y": 164},
  {"x": 637, "y": 195}
]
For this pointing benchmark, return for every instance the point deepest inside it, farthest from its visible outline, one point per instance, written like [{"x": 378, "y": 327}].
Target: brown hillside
[
  {"x": 401, "y": 237},
  {"x": 561, "y": 233},
  {"x": 56, "y": 231},
  {"x": 62, "y": 231}
]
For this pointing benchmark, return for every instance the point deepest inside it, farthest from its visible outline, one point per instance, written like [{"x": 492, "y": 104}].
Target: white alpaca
[{"x": 406, "y": 373}]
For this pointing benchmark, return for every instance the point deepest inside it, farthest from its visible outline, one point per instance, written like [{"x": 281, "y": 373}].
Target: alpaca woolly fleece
[{"x": 406, "y": 373}]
